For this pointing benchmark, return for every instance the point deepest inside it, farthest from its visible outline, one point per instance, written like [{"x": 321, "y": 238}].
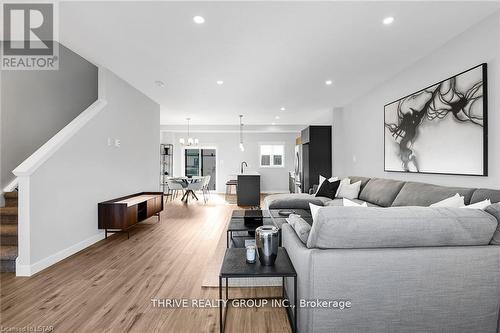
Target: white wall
[
  {"x": 358, "y": 128},
  {"x": 229, "y": 156},
  {"x": 65, "y": 190}
]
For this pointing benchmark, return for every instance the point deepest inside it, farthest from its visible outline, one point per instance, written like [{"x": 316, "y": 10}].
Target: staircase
[{"x": 8, "y": 233}]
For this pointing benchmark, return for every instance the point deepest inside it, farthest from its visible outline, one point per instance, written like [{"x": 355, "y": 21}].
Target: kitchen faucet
[{"x": 242, "y": 165}]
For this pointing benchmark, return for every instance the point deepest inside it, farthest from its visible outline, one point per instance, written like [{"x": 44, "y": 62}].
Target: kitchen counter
[{"x": 248, "y": 173}]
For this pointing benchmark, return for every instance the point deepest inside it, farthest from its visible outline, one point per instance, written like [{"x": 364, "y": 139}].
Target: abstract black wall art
[{"x": 441, "y": 129}]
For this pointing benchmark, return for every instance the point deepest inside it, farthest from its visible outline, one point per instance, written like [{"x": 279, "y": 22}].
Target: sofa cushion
[
  {"x": 293, "y": 201},
  {"x": 359, "y": 227},
  {"x": 381, "y": 192},
  {"x": 483, "y": 193},
  {"x": 339, "y": 203},
  {"x": 363, "y": 180},
  {"x": 422, "y": 194},
  {"x": 495, "y": 211}
]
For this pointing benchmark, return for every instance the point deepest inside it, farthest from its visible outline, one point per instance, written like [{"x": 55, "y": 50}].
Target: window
[{"x": 272, "y": 156}]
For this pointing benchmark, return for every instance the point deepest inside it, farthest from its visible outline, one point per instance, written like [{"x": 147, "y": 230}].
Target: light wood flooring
[{"x": 108, "y": 287}]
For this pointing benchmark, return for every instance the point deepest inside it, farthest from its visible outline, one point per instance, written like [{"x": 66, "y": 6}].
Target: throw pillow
[
  {"x": 314, "y": 210},
  {"x": 349, "y": 203},
  {"x": 302, "y": 229},
  {"x": 349, "y": 191},
  {"x": 322, "y": 179},
  {"x": 455, "y": 201},
  {"x": 328, "y": 189},
  {"x": 292, "y": 218},
  {"x": 495, "y": 211},
  {"x": 479, "y": 205},
  {"x": 345, "y": 181}
]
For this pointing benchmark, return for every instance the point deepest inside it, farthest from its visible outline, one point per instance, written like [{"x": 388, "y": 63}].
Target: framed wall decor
[{"x": 441, "y": 129}]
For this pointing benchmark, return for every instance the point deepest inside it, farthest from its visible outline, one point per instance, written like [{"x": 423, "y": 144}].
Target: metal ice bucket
[{"x": 266, "y": 241}]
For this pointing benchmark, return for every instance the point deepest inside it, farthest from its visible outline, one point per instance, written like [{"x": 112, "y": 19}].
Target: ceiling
[{"x": 269, "y": 54}]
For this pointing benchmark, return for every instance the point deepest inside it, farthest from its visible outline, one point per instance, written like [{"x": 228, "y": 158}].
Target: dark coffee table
[
  {"x": 234, "y": 265},
  {"x": 237, "y": 231}
]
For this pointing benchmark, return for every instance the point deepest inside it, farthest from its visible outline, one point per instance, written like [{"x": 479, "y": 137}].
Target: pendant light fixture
[
  {"x": 242, "y": 147},
  {"x": 189, "y": 141}
]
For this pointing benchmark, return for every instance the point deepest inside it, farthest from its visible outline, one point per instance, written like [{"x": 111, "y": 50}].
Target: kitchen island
[{"x": 248, "y": 192}]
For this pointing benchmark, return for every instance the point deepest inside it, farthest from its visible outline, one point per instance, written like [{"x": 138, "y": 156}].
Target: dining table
[{"x": 185, "y": 182}]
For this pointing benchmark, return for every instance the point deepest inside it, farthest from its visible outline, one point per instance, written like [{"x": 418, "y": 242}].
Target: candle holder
[{"x": 251, "y": 254}]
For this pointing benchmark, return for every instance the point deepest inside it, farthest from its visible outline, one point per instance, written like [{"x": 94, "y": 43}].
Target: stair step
[
  {"x": 8, "y": 255},
  {"x": 7, "y": 266},
  {"x": 11, "y": 203},
  {"x": 11, "y": 199},
  {"x": 8, "y": 240},
  {"x": 10, "y": 195},
  {"x": 8, "y": 229},
  {"x": 8, "y": 215},
  {"x": 5, "y": 211},
  {"x": 8, "y": 252},
  {"x": 8, "y": 234}
]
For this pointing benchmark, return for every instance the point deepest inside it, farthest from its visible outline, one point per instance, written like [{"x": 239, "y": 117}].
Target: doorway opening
[{"x": 200, "y": 162}]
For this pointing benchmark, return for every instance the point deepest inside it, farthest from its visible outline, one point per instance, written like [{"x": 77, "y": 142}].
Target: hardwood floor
[{"x": 108, "y": 287}]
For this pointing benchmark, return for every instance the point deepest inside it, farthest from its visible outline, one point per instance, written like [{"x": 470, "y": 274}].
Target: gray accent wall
[
  {"x": 358, "y": 142},
  {"x": 35, "y": 105}
]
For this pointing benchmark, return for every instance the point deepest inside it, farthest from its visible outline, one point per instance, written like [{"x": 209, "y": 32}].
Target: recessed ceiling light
[
  {"x": 277, "y": 117},
  {"x": 220, "y": 82},
  {"x": 198, "y": 19},
  {"x": 160, "y": 84},
  {"x": 328, "y": 82},
  {"x": 388, "y": 20},
  {"x": 283, "y": 108}
]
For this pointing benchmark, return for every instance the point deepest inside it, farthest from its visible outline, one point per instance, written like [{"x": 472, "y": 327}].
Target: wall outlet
[
  {"x": 354, "y": 159},
  {"x": 117, "y": 143}
]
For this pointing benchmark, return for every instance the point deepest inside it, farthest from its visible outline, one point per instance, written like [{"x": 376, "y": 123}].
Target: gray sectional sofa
[
  {"x": 403, "y": 269},
  {"x": 380, "y": 192}
]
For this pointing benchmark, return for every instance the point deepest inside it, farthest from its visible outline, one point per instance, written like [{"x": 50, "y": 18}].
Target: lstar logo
[{"x": 28, "y": 37}]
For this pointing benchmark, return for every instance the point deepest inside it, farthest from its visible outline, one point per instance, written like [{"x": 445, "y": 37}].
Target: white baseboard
[
  {"x": 29, "y": 270},
  {"x": 22, "y": 270}
]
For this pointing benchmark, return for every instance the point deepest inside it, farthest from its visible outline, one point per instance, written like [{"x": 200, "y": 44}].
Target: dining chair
[
  {"x": 205, "y": 188},
  {"x": 195, "y": 185},
  {"x": 174, "y": 186},
  {"x": 166, "y": 190}
]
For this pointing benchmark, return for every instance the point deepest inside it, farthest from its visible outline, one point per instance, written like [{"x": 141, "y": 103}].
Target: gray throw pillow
[
  {"x": 302, "y": 229},
  {"x": 292, "y": 218},
  {"x": 495, "y": 211}
]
